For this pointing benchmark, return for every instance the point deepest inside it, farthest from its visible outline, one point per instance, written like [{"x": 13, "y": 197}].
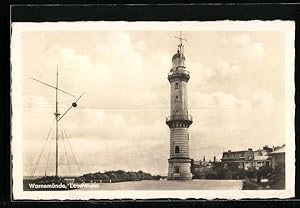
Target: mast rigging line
[
  {"x": 49, "y": 153},
  {"x": 72, "y": 152},
  {"x": 42, "y": 150},
  {"x": 65, "y": 151}
]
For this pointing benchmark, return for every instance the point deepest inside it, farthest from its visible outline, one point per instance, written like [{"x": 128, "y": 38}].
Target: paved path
[{"x": 169, "y": 185}]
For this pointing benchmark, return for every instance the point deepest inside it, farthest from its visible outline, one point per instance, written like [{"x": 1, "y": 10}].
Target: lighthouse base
[{"x": 179, "y": 169}]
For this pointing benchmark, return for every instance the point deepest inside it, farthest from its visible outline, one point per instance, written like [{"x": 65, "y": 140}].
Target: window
[
  {"x": 240, "y": 165},
  {"x": 177, "y": 149},
  {"x": 176, "y": 99},
  {"x": 176, "y": 85},
  {"x": 176, "y": 169}
]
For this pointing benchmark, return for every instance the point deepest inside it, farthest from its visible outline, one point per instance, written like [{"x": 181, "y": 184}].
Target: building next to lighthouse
[{"x": 179, "y": 120}]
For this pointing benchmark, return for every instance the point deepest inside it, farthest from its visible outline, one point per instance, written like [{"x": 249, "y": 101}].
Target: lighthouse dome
[{"x": 178, "y": 60}]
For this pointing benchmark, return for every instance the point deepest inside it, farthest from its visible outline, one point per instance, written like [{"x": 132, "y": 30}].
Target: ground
[{"x": 168, "y": 185}]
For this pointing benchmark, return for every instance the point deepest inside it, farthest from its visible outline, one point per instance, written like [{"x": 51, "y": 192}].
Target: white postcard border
[{"x": 16, "y": 60}]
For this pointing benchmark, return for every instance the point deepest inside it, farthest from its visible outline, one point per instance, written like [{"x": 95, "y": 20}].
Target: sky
[{"x": 236, "y": 96}]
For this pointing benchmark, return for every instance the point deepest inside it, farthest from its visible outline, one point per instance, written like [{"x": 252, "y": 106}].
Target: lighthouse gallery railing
[{"x": 179, "y": 117}]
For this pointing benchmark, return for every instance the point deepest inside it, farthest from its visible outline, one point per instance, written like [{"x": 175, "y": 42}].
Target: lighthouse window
[
  {"x": 176, "y": 98},
  {"x": 177, "y": 149},
  {"x": 176, "y": 85},
  {"x": 176, "y": 169}
]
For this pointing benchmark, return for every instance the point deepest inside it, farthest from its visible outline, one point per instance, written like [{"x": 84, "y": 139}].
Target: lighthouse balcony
[
  {"x": 179, "y": 121},
  {"x": 178, "y": 73},
  {"x": 179, "y": 117}
]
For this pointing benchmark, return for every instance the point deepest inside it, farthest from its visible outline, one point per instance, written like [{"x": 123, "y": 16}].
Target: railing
[
  {"x": 179, "y": 117},
  {"x": 178, "y": 71}
]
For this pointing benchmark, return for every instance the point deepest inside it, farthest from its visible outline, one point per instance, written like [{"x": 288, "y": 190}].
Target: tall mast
[
  {"x": 57, "y": 114},
  {"x": 56, "y": 126}
]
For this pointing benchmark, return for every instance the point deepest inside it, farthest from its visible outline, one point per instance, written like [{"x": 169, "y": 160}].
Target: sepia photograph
[{"x": 145, "y": 110}]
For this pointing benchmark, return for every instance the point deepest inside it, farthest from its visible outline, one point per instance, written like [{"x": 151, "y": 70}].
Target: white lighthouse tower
[{"x": 179, "y": 120}]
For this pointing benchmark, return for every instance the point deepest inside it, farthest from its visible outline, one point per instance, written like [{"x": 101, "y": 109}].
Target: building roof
[
  {"x": 279, "y": 150},
  {"x": 240, "y": 151}
]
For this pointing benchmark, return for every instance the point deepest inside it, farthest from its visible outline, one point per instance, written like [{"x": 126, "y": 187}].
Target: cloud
[
  {"x": 219, "y": 100},
  {"x": 242, "y": 39},
  {"x": 35, "y": 102},
  {"x": 264, "y": 101},
  {"x": 227, "y": 69},
  {"x": 140, "y": 45},
  {"x": 215, "y": 76},
  {"x": 118, "y": 69},
  {"x": 225, "y": 121},
  {"x": 249, "y": 48}
]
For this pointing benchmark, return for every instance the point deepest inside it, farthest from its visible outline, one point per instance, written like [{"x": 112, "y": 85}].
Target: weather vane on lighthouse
[{"x": 180, "y": 46}]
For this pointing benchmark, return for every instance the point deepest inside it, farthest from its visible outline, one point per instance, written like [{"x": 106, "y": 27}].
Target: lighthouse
[{"x": 179, "y": 120}]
